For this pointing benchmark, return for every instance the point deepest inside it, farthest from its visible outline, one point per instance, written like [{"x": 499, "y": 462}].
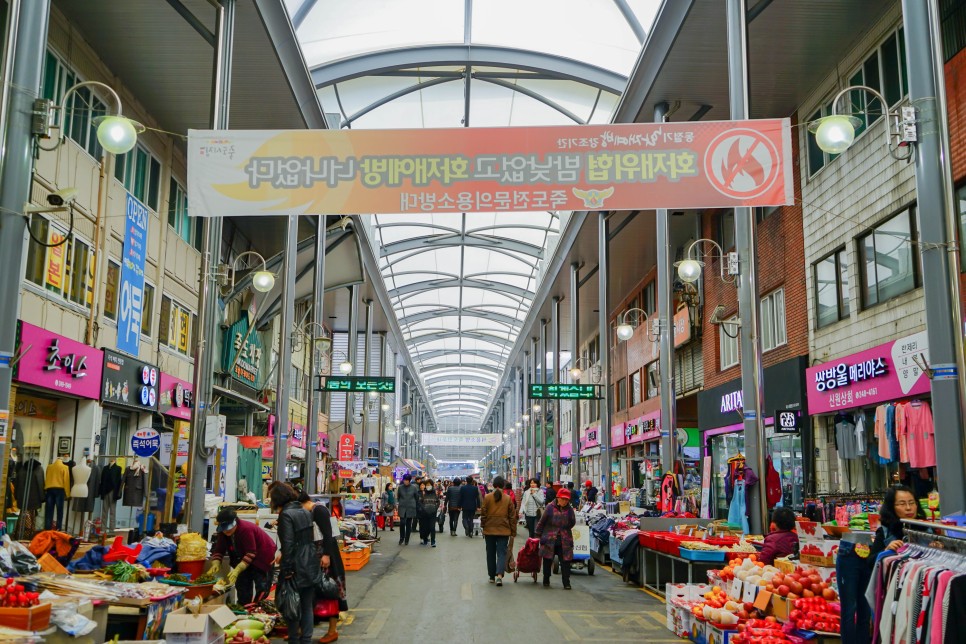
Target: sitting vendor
[
  {"x": 782, "y": 541},
  {"x": 251, "y": 554}
]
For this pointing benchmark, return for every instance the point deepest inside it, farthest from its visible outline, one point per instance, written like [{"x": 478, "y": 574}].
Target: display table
[
  {"x": 659, "y": 568},
  {"x": 140, "y": 619}
]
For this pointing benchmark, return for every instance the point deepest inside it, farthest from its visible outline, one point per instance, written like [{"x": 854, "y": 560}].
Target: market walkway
[{"x": 416, "y": 593}]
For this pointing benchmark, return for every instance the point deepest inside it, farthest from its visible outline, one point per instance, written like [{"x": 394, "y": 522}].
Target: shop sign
[
  {"x": 129, "y": 382},
  {"x": 554, "y": 391},
  {"x": 379, "y": 384},
  {"x": 57, "y": 363},
  {"x": 617, "y": 435},
  {"x": 176, "y": 398},
  {"x": 146, "y": 442},
  {"x": 732, "y": 401},
  {"x": 682, "y": 326},
  {"x": 589, "y": 438},
  {"x": 248, "y": 350},
  {"x": 788, "y": 422},
  {"x": 692, "y": 164},
  {"x": 131, "y": 302},
  {"x": 296, "y": 435},
  {"x": 461, "y": 440},
  {"x": 784, "y": 389},
  {"x": 4, "y": 424},
  {"x": 650, "y": 426},
  {"x": 347, "y": 447},
  {"x": 30, "y": 407},
  {"x": 877, "y": 375}
]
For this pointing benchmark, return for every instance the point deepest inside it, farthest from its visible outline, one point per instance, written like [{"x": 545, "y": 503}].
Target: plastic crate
[
  {"x": 702, "y": 555},
  {"x": 670, "y": 543},
  {"x": 647, "y": 540},
  {"x": 355, "y": 562},
  {"x": 722, "y": 541}
]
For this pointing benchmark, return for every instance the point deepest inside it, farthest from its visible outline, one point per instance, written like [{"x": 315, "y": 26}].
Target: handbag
[{"x": 325, "y": 608}]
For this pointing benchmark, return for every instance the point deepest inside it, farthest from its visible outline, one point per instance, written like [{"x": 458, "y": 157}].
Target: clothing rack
[{"x": 926, "y": 540}]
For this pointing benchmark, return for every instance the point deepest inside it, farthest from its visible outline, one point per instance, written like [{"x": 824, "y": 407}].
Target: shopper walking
[
  {"x": 296, "y": 540},
  {"x": 452, "y": 502},
  {"x": 574, "y": 495},
  {"x": 428, "y": 508},
  {"x": 387, "y": 505},
  {"x": 469, "y": 503},
  {"x": 549, "y": 493},
  {"x": 532, "y": 504},
  {"x": 408, "y": 505},
  {"x": 556, "y": 536},
  {"x": 498, "y": 520},
  {"x": 508, "y": 490},
  {"x": 327, "y": 549},
  {"x": 590, "y": 492}
]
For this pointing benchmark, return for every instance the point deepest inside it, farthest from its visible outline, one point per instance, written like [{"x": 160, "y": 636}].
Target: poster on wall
[{"x": 706, "y": 488}]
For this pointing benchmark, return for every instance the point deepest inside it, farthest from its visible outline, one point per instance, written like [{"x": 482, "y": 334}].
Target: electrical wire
[{"x": 69, "y": 235}]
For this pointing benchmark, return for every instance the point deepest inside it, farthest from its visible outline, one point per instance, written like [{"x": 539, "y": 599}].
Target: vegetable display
[{"x": 13, "y": 595}]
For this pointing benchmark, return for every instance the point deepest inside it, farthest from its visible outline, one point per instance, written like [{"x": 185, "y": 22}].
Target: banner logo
[{"x": 742, "y": 164}]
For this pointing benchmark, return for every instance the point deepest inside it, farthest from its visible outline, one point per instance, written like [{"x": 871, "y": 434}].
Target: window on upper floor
[
  {"x": 726, "y": 229},
  {"x": 952, "y": 17},
  {"x": 773, "y": 333},
  {"x": 111, "y": 289},
  {"x": 884, "y": 69},
  {"x": 83, "y": 106},
  {"x": 593, "y": 350},
  {"x": 649, "y": 298},
  {"x": 727, "y": 345},
  {"x": 636, "y": 388},
  {"x": 147, "y": 309},
  {"x": 887, "y": 259},
  {"x": 832, "y": 289},
  {"x": 620, "y": 394},
  {"x": 653, "y": 379},
  {"x": 64, "y": 266},
  {"x": 176, "y": 326},
  {"x": 188, "y": 228},
  {"x": 140, "y": 173}
]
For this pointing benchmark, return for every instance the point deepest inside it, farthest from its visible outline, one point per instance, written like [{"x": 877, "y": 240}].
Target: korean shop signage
[
  {"x": 379, "y": 384},
  {"x": 51, "y": 361},
  {"x": 682, "y": 326},
  {"x": 176, "y": 397},
  {"x": 249, "y": 352},
  {"x": 788, "y": 422},
  {"x": 877, "y": 375},
  {"x": 131, "y": 302},
  {"x": 347, "y": 447},
  {"x": 513, "y": 169},
  {"x": 554, "y": 391},
  {"x": 129, "y": 382},
  {"x": 461, "y": 440},
  {"x": 649, "y": 427},
  {"x": 784, "y": 385}
]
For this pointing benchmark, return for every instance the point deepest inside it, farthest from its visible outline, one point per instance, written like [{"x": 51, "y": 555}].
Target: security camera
[
  {"x": 62, "y": 197},
  {"x": 717, "y": 314}
]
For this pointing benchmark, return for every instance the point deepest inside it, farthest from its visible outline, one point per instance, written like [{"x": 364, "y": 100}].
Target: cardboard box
[
  {"x": 717, "y": 635},
  {"x": 818, "y": 553},
  {"x": 207, "y": 627},
  {"x": 781, "y": 607}
]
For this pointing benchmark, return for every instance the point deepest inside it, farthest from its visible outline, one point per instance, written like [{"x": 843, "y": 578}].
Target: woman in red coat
[{"x": 556, "y": 537}]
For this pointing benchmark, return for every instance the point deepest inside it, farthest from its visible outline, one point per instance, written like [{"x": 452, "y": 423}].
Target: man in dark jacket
[
  {"x": 452, "y": 500},
  {"x": 469, "y": 502},
  {"x": 251, "y": 554},
  {"x": 406, "y": 502}
]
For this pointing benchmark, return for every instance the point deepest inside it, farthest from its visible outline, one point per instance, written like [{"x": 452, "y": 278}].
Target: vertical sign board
[
  {"x": 706, "y": 489},
  {"x": 132, "y": 277}
]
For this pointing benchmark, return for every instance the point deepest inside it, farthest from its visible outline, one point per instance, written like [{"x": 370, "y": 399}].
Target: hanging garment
[
  {"x": 920, "y": 434},
  {"x": 133, "y": 487},
  {"x": 29, "y": 484},
  {"x": 845, "y": 436},
  {"x": 773, "y": 484},
  {"x": 737, "y": 512},
  {"x": 110, "y": 481},
  {"x": 901, "y": 432},
  {"x": 860, "y": 435}
]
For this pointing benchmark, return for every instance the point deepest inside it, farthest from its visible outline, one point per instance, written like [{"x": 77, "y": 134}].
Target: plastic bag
[
  {"x": 191, "y": 547},
  {"x": 288, "y": 601},
  {"x": 23, "y": 560}
]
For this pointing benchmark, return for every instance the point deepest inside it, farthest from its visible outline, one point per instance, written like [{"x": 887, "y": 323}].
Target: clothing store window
[
  {"x": 888, "y": 259},
  {"x": 728, "y": 345},
  {"x": 773, "y": 320},
  {"x": 832, "y": 288},
  {"x": 649, "y": 299}
]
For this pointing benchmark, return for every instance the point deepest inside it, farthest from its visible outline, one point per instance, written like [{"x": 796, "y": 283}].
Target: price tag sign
[{"x": 735, "y": 590}]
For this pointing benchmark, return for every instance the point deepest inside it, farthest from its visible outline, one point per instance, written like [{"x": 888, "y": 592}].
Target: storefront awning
[{"x": 234, "y": 395}]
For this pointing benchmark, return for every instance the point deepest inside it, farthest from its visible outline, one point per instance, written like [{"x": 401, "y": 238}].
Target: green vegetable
[{"x": 125, "y": 572}]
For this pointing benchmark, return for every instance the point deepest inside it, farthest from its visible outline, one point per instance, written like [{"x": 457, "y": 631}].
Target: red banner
[
  {"x": 634, "y": 166},
  {"x": 347, "y": 447}
]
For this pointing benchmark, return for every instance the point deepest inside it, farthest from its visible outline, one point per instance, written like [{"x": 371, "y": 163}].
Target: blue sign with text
[
  {"x": 131, "y": 302},
  {"x": 146, "y": 442}
]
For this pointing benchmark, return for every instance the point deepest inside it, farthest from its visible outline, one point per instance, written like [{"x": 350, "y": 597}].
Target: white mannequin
[{"x": 81, "y": 472}]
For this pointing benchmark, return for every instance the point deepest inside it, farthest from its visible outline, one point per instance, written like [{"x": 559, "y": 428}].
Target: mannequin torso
[{"x": 82, "y": 473}]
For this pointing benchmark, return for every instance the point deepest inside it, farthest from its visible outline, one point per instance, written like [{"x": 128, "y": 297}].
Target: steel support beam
[
  {"x": 316, "y": 398},
  {"x": 603, "y": 325},
  {"x": 749, "y": 301},
  {"x": 203, "y": 380},
  {"x": 433, "y": 242},
  {"x": 367, "y": 371},
  {"x": 467, "y": 55},
  {"x": 938, "y": 229},
  {"x": 453, "y": 310},
  {"x": 665, "y": 314},
  {"x": 542, "y": 435},
  {"x": 466, "y": 282},
  {"x": 283, "y": 382},
  {"x": 352, "y": 354},
  {"x": 575, "y": 353},
  {"x": 555, "y": 341}
]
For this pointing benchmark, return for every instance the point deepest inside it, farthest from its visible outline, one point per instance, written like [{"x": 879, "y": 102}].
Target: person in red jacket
[
  {"x": 251, "y": 553},
  {"x": 782, "y": 541}
]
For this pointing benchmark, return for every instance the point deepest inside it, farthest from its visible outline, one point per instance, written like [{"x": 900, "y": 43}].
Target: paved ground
[{"x": 420, "y": 594}]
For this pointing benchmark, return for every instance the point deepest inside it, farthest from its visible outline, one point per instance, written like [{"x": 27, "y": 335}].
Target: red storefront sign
[{"x": 347, "y": 447}]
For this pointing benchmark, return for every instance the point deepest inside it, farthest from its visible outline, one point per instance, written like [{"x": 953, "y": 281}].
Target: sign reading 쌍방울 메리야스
[
  {"x": 514, "y": 169},
  {"x": 379, "y": 384},
  {"x": 552, "y": 391}
]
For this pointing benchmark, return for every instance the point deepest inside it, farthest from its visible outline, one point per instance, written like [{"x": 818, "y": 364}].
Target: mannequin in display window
[
  {"x": 81, "y": 504},
  {"x": 109, "y": 490},
  {"x": 56, "y": 484}
]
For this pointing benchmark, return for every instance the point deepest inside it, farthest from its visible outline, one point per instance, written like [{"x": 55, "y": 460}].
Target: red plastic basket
[
  {"x": 670, "y": 543},
  {"x": 647, "y": 540},
  {"x": 722, "y": 541}
]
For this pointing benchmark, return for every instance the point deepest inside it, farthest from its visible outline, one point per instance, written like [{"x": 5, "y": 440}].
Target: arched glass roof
[{"x": 461, "y": 284}]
